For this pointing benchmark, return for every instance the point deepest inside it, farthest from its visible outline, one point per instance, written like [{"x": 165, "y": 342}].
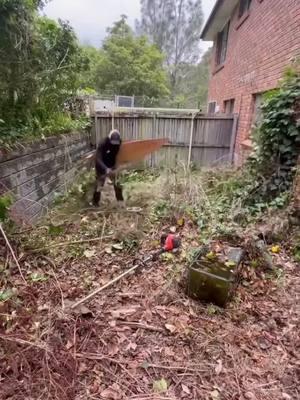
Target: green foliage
[
  {"x": 35, "y": 277},
  {"x": 6, "y": 295},
  {"x": 41, "y": 62},
  {"x": 130, "y": 65},
  {"x": 277, "y": 143},
  {"x": 90, "y": 79},
  {"x": 161, "y": 210},
  {"x": 160, "y": 386},
  {"x": 55, "y": 230},
  {"x": 149, "y": 175},
  {"x": 193, "y": 82},
  {"x": 175, "y": 27},
  {"x": 5, "y": 203}
]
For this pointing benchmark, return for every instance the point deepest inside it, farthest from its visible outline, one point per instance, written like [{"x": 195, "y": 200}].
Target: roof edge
[{"x": 210, "y": 18}]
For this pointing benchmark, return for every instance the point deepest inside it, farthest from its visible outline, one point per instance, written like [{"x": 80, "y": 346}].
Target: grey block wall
[{"x": 35, "y": 172}]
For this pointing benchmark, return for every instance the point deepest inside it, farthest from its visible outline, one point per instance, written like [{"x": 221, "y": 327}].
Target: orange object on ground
[{"x": 137, "y": 150}]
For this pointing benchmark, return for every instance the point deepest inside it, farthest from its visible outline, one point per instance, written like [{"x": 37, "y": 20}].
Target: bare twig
[
  {"x": 139, "y": 325},
  {"x": 12, "y": 252},
  {"x": 263, "y": 385},
  {"x": 70, "y": 243},
  {"x": 51, "y": 262},
  {"x": 108, "y": 284},
  {"x": 101, "y": 357},
  {"x": 176, "y": 368},
  {"x": 22, "y": 341}
]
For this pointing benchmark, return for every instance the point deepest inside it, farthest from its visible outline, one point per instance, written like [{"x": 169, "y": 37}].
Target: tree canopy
[
  {"x": 130, "y": 65},
  {"x": 40, "y": 64},
  {"x": 43, "y": 65},
  {"x": 175, "y": 27}
]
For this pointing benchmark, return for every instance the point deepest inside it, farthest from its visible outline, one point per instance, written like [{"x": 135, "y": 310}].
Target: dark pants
[{"x": 100, "y": 181}]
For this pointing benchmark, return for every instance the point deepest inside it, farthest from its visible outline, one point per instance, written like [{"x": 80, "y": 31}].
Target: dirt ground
[{"x": 143, "y": 338}]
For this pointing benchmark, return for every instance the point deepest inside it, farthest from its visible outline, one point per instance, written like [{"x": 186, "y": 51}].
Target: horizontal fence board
[{"x": 211, "y": 134}]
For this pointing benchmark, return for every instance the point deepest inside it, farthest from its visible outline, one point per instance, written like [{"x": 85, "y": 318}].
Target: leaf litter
[{"x": 143, "y": 338}]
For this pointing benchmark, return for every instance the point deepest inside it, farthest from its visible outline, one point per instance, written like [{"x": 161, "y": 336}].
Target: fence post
[
  {"x": 191, "y": 139},
  {"x": 97, "y": 122},
  {"x": 233, "y": 137},
  {"x": 153, "y": 137}
]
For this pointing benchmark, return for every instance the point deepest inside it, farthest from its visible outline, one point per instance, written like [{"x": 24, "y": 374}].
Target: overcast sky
[{"x": 90, "y": 18}]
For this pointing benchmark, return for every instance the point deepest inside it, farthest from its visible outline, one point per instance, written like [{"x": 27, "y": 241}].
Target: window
[
  {"x": 229, "y": 106},
  {"x": 222, "y": 40},
  {"x": 212, "y": 107},
  {"x": 244, "y": 7}
]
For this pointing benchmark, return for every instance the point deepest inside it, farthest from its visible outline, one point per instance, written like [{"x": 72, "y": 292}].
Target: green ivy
[
  {"x": 277, "y": 142},
  {"x": 5, "y": 203}
]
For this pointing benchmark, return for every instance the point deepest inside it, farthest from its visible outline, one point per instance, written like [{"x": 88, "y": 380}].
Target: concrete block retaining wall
[{"x": 35, "y": 172}]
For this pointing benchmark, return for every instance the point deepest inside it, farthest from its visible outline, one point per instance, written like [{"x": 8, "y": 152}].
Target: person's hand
[{"x": 108, "y": 171}]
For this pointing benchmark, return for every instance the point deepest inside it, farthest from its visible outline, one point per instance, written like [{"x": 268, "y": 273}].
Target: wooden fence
[{"x": 201, "y": 139}]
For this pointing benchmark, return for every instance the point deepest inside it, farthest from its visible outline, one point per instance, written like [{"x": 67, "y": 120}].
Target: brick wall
[
  {"x": 258, "y": 52},
  {"x": 34, "y": 173}
]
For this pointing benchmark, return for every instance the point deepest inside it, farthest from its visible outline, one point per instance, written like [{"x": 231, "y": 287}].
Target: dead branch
[
  {"x": 139, "y": 325},
  {"x": 12, "y": 252},
  {"x": 108, "y": 284},
  {"x": 176, "y": 368},
  {"x": 22, "y": 342},
  {"x": 70, "y": 243}
]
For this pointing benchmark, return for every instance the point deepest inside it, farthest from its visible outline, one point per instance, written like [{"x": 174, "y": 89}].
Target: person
[{"x": 106, "y": 157}]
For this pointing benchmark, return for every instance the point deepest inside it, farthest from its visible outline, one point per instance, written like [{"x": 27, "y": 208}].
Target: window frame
[
  {"x": 215, "y": 107},
  {"x": 244, "y": 7},
  {"x": 231, "y": 103},
  {"x": 222, "y": 45}
]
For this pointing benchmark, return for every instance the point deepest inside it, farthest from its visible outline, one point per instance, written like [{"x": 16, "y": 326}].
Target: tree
[
  {"x": 131, "y": 65},
  {"x": 59, "y": 62},
  {"x": 16, "y": 53},
  {"x": 193, "y": 83},
  {"x": 90, "y": 78},
  {"x": 175, "y": 27},
  {"x": 40, "y": 63}
]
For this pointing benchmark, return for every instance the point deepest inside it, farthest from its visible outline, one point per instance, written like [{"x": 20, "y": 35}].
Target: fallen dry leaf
[
  {"x": 185, "y": 389},
  {"x": 69, "y": 345},
  {"x": 89, "y": 253},
  {"x": 170, "y": 328},
  {"x": 219, "y": 367},
  {"x": 250, "y": 396},
  {"x": 112, "y": 393},
  {"x": 108, "y": 250},
  {"x": 124, "y": 311},
  {"x": 215, "y": 395},
  {"x": 113, "y": 350},
  {"x": 131, "y": 346}
]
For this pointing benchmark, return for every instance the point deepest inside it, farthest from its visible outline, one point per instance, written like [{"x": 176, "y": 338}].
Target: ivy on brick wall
[{"x": 277, "y": 141}]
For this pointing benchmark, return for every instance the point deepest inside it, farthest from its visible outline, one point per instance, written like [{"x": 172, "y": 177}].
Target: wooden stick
[
  {"x": 22, "y": 341},
  {"x": 139, "y": 325},
  {"x": 12, "y": 252},
  {"x": 70, "y": 243},
  {"x": 176, "y": 368},
  {"x": 108, "y": 284}
]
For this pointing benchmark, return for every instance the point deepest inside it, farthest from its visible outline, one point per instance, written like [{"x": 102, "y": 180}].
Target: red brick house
[{"x": 254, "y": 41}]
